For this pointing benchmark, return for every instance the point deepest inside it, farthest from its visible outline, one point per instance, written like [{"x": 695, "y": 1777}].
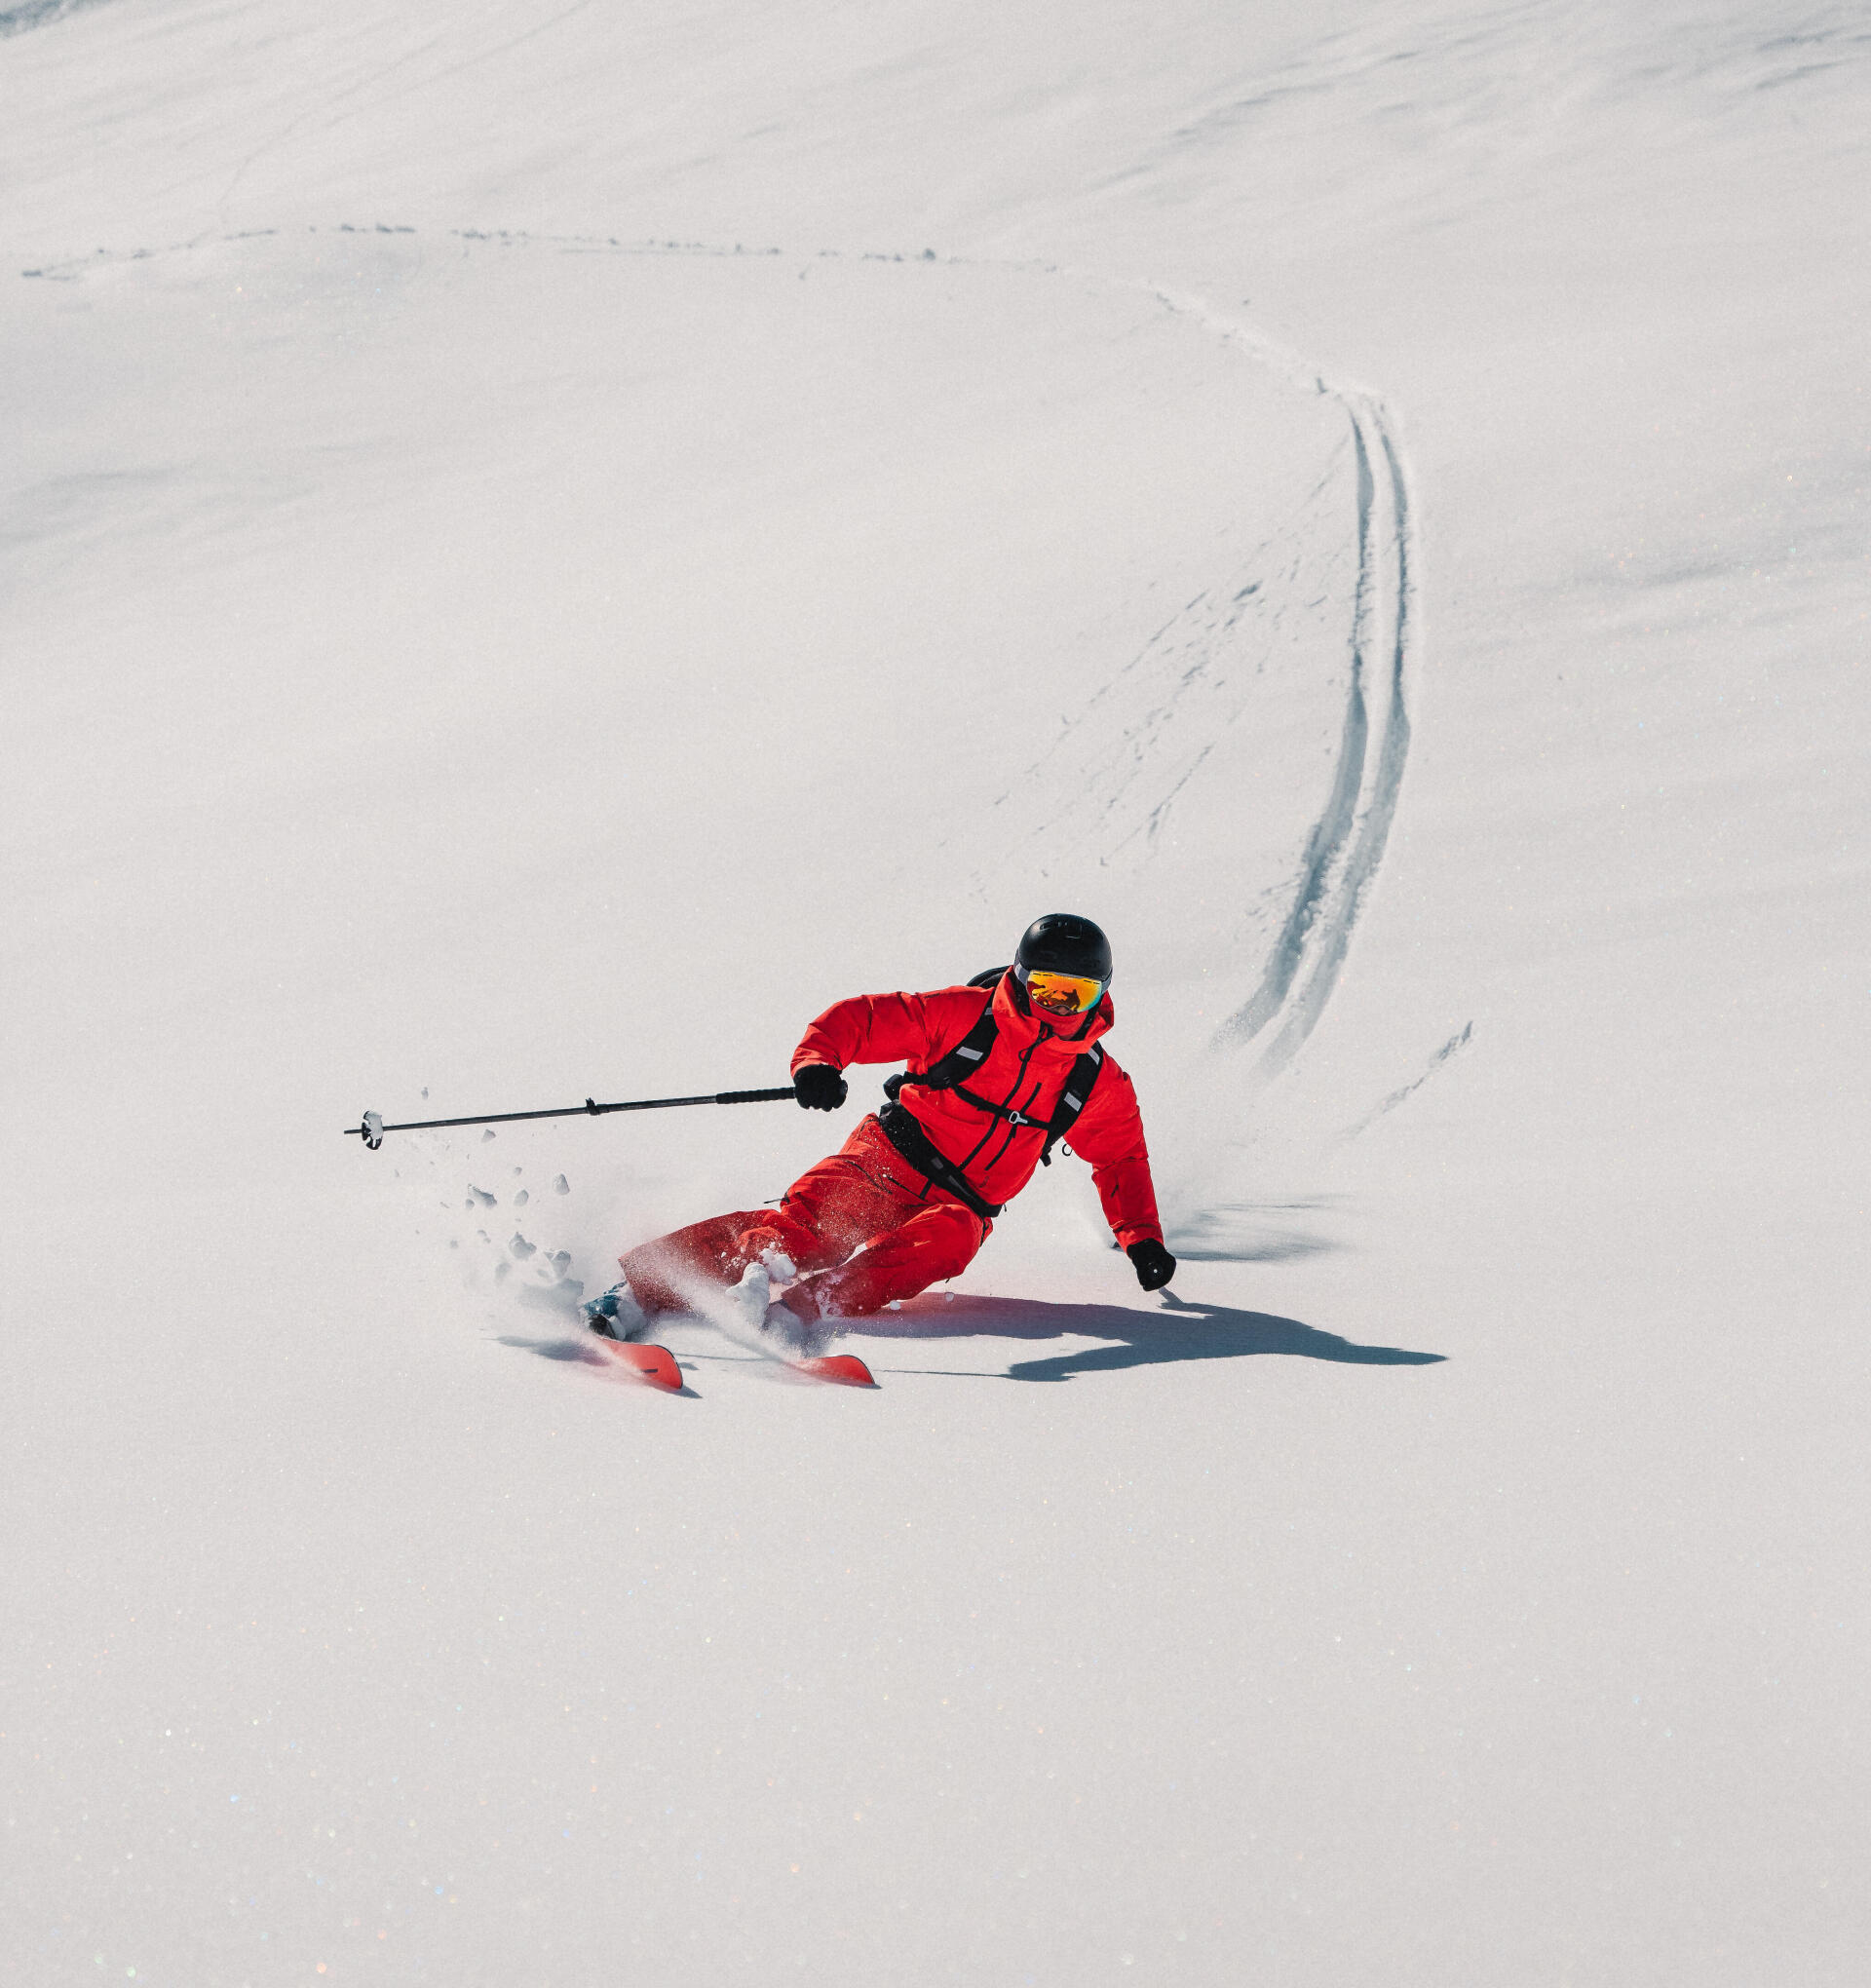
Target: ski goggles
[{"x": 1060, "y": 993}]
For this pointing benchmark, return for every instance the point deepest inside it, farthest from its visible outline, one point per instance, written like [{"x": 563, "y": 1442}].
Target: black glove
[
  {"x": 1155, "y": 1265},
  {"x": 819, "y": 1087}
]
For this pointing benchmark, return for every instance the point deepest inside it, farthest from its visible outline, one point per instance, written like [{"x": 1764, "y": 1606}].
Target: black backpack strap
[
  {"x": 900, "y": 1129},
  {"x": 1073, "y": 1099},
  {"x": 968, "y": 1056}
]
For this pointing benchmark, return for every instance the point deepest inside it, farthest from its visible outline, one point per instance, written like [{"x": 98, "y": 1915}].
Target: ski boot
[{"x": 617, "y": 1315}]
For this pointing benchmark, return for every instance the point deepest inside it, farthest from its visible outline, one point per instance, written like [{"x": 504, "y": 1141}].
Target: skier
[{"x": 1000, "y": 1071}]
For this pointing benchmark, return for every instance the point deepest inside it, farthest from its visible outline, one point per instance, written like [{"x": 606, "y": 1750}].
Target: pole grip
[{"x": 752, "y": 1096}]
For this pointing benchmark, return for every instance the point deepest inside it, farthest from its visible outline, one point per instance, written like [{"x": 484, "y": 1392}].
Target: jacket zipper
[{"x": 1007, "y": 1103}]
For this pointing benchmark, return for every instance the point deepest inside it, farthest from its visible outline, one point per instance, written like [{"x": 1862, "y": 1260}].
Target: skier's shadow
[{"x": 1181, "y": 1331}]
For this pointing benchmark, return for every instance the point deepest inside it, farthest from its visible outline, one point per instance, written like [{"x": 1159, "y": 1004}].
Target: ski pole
[{"x": 372, "y": 1129}]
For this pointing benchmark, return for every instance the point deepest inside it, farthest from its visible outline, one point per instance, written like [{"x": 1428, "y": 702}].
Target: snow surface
[{"x": 543, "y": 544}]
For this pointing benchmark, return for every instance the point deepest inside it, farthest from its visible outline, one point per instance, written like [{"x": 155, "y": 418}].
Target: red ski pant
[{"x": 864, "y": 1225}]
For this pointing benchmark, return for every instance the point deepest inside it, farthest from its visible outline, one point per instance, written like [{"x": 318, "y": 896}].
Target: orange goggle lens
[{"x": 1064, "y": 993}]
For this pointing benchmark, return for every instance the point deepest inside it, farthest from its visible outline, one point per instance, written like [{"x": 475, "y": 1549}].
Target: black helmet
[{"x": 1061, "y": 944}]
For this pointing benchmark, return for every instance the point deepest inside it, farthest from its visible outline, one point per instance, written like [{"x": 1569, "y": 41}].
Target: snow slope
[{"x": 542, "y": 545}]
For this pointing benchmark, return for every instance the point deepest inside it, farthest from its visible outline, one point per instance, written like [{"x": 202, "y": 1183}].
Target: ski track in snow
[
  {"x": 30, "y": 14},
  {"x": 1319, "y": 931},
  {"x": 1345, "y": 847},
  {"x": 1459, "y": 1040}
]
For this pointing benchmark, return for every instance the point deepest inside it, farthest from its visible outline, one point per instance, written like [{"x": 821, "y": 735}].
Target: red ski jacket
[{"x": 1025, "y": 1071}]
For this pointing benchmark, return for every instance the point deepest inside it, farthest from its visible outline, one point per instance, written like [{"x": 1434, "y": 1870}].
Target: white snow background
[{"x": 542, "y": 545}]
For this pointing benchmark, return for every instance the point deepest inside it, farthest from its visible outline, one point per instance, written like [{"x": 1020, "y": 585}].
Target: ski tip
[
  {"x": 653, "y": 1363},
  {"x": 845, "y": 1368}
]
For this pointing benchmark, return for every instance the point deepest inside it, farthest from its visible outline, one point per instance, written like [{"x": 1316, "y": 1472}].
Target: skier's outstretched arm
[
  {"x": 888, "y": 1028},
  {"x": 1110, "y": 1136}
]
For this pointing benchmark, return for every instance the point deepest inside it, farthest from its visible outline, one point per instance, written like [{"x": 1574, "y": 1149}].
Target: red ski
[
  {"x": 844, "y": 1369},
  {"x": 653, "y": 1363}
]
